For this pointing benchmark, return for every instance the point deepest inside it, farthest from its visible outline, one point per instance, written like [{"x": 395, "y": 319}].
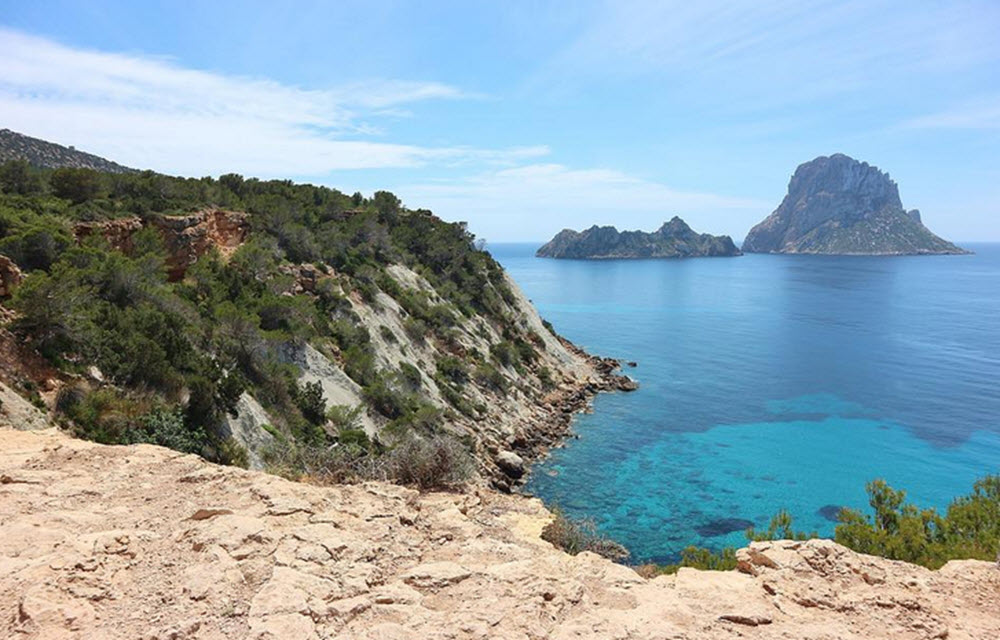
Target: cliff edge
[{"x": 140, "y": 541}]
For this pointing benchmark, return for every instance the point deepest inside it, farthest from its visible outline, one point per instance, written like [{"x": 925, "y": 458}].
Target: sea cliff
[{"x": 838, "y": 205}]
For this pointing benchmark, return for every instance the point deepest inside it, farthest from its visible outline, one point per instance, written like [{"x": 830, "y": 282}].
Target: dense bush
[
  {"x": 435, "y": 462},
  {"x": 75, "y": 185},
  {"x": 489, "y": 376},
  {"x": 575, "y": 536},
  {"x": 969, "y": 529},
  {"x": 18, "y": 177}
]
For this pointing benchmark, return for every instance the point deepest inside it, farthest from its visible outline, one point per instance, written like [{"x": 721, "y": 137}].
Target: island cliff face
[
  {"x": 838, "y": 205},
  {"x": 675, "y": 239}
]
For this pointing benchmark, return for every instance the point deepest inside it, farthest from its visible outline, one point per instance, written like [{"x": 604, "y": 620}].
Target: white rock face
[
  {"x": 338, "y": 388},
  {"x": 18, "y": 413},
  {"x": 247, "y": 428}
]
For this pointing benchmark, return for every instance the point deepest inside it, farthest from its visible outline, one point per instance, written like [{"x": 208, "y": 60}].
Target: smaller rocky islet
[{"x": 674, "y": 239}]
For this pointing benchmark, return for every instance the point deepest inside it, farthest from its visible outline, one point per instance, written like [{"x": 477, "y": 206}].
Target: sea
[{"x": 770, "y": 382}]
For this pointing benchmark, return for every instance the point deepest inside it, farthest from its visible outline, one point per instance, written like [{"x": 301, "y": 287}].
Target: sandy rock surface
[{"x": 142, "y": 542}]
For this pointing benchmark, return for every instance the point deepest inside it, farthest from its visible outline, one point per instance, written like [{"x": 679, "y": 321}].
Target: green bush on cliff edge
[{"x": 895, "y": 529}]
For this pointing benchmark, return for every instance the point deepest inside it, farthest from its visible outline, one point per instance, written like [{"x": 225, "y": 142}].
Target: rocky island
[
  {"x": 838, "y": 205},
  {"x": 675, "y": 239}
]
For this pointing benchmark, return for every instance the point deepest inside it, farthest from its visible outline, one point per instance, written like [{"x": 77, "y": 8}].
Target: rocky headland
[
  {"x": 675, "y": 239},
  {"x": 838, "y": 205}
]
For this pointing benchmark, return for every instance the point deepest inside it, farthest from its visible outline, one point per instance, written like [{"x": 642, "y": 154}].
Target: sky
[{"x": 524, "y": 118}]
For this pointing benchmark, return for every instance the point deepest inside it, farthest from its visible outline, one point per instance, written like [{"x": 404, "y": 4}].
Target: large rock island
[
  {"x": 838, "y": 205},
  {"x": 675, "y": 239}
]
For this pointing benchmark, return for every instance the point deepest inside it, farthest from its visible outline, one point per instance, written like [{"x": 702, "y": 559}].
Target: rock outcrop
[
  {"x": 675, "y": 239},
  {"x": 10, "y": 276},
  {"x": 142, "y": 542},
  {"x": 185, "y": 237},
  {"x": 837, "y": 205}
]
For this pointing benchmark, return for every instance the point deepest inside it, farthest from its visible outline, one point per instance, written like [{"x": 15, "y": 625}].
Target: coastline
[{"x": 552, "y": 417}]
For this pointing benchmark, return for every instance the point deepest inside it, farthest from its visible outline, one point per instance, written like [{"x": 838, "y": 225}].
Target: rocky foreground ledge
[{"x": 141, "y": 542}]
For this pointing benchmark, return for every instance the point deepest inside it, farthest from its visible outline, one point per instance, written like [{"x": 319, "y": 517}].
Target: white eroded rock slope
[{"x": 142, "y": 542}]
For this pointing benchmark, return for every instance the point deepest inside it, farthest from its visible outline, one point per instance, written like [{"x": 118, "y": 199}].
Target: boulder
[
  {"x": 10, "y": 276},
  {"x": 511, "y": 464}
]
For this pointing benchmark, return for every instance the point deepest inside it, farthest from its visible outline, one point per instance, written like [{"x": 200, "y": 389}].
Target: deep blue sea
[{"x": 770, "y": 382}]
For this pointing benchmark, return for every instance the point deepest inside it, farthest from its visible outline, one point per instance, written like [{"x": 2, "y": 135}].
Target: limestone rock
[
  {"x": 511, "y": 464},
  {"x": 838, "y": 205},
  {"x": 10, "y": 276},
  {"x": 186, "y": 237},
  {"x": 247, "y": 428},
  {"x": 139, "y": 542}
]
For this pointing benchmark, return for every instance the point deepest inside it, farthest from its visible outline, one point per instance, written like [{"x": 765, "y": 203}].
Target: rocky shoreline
[{"x": 552, "y": 421}]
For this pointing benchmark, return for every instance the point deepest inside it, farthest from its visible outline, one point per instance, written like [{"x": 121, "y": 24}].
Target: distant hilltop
[
  {"x": 838, "y": 205},
  {"x": 49, "y": 155},
  {"x": 674, "y": 239}
]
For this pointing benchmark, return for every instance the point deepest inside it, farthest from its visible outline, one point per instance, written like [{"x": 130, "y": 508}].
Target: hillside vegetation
[{"x": 436, "y": 344}]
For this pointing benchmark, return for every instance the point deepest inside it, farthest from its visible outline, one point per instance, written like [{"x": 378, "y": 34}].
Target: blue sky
[{"x": 524, "y": 118}]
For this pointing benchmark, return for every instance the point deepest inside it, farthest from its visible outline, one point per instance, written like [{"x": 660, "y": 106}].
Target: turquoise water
[{"x": 770, "y": 382}]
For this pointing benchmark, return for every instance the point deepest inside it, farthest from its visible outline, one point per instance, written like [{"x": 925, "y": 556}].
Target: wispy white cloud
[
  {"x": 152, "y": 112},
  {"x": 981, "y": 115},
  {"x": 776, "y": 51},
  {"x": 531, "y": 201}
]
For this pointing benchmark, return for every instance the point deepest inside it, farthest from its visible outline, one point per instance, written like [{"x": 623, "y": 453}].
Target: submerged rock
[
  {"x": 723, "y": 526},
  {"x": 511, "y": 464}
]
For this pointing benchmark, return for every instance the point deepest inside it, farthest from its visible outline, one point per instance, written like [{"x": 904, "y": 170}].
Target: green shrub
[
  {"x": 231, "y": 452},
  {"x": 435, "y": 462},
  {"x": 505, "y": 353},
  {"x": 166, "y": 427},
  {"x": 780, "y": 528},
  {"x": 387, "y": 334},
  {"x": 341, "y": 417},
  {"x": 75, "y": 185},
  {"x": 410, "y": 376},
  {"x": 453, "y": 370},
  {"x": 311, "y": 402},
  {"x": 695, "y": 558},
  {"x": 38, "y": 245},
  {"x": 382, "y": 395},
  {"x": 419, "y": 417},
  {"x": 549, "y": 327},
  {"x": 359, "y": 364},
  {"x": 489, "y": 376},
  {"x": 416, "y": 329},
  {"x": 970, "y": 528},
  {"x": 17, "y": 176},
  {"x": 545, "y": 377},
  {"x": 575, "y": 536}
]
